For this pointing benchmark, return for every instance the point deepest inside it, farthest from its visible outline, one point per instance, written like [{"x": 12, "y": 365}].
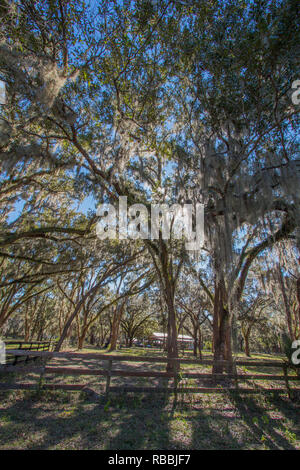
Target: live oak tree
[
  {"x": 251, "y": 313},
  {"x": 160, "y": 102},
  {"x": 236, "y": 126},
  {"x": 196, "y": 309},
  {"x": 138, "y": 321}
]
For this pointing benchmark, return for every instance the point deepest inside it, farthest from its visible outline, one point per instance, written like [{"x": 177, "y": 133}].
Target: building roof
[{"x": 164, "y": 336}]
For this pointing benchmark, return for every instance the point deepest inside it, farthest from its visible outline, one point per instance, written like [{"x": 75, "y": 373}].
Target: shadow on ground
[{"x": 133, "y": 421}]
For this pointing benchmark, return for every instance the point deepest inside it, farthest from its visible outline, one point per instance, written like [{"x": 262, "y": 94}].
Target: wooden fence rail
[
  {"x": 179, "y": 385},
  {"x": 125, "y": 358},
  {"x": 15, "y": 346}
]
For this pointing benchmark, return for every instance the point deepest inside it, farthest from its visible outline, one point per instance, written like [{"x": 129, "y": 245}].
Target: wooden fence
[
  {"x": 13, "y": 345},
  {"x": 232, "y": 379}
]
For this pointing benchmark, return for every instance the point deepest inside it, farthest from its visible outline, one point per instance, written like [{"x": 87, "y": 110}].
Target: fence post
[
  {"x": 286, "y": 379},
  {"x": 16, "y": 357},
  {"x": 29, "y": 349},
  {"x": 176, "y": 379},
  {"x": 40, "y": 382},
  {"x": 235, "y": 374},
  {"x": 108, "y": 376}
]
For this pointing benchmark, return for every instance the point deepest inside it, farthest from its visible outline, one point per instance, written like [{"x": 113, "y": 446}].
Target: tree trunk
[
  {"x": 221, "y": 330},
  {"x": 200, "y": 344},
  {"x": 118, "y": 312},
  {"x": 92, "y": 338},
  {"x": 195, "y": 342},
  {"x": 286, "y": 303},
  {"x": 26, "y": 336},
  {"x": 67, "y": 327},
  {"x": 77, "y": 309},
  {"x": 81, "y": 341},
  {"x": 228, "y": 343},
  {"x": 247, "y": 346},
  {"x": 172, "y": 345},
  {"x": 168, "y": 283},
  {"x": 298, "y": 300}
]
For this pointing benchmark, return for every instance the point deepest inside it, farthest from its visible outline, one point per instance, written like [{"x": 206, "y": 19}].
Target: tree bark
[
  {"x": 67, "y": 328},
  {"x": 200, "y": 343},
  {"x": 298, "y": 300},
  {"x": 164, "y": 267},
  {"x": 195, "y": 341},
  {"x": 286, "y": 303},
  {"x": 247, "y": 345},
  {"x": 81, "y": 339},
  {"x": 172, "y": 345},
  {"x": 221, "y": 330},
  {"x": 117, "y": 316}
]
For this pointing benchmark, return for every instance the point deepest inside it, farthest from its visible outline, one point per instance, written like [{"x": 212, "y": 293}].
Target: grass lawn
[{"x": 65, "y": 420}]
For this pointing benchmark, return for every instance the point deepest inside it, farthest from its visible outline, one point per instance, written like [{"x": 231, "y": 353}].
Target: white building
[{"x": 160, "y": 339}]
